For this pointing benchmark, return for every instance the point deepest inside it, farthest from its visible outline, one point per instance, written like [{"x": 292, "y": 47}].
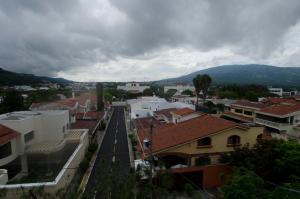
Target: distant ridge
[
  {"x": 245, "y": 74},
  {"x": 11, "y": 78}
]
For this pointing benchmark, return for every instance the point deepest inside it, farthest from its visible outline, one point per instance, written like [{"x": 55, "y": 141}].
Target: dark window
[
  {"x": 259, "y": 137},
  {"x": 28, "y": 136},
  {"x": 204, "y": 142},
  {"x": 234, "y": 140},
  {"x": 238, "y": 110},
  {"x": 248, "y": 112},
  {"x": 5, "y": 150}
]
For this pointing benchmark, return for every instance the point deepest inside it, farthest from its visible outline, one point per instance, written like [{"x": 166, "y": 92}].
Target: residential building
[
  {"x": 133, "y": 87},
  {"x": 243, "y": 111},
  {"x": 276, "y": 91},
  {"x": 146, "y": 106},
  {"x": 27, "y": 137},
  {"x": 182, "y": 146},
  {"x": 282, "y": 120}
]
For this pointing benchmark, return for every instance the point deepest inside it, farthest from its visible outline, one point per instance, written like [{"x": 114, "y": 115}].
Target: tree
[
  {"x": 244, "y": 184},
  {"x": 170, "y": 93},
  {"x": 148, "y": 92},
  {"x": 202, "y": 83},
  {"x": 187, "y": 92},
  {"x": 12, "y": 101}
]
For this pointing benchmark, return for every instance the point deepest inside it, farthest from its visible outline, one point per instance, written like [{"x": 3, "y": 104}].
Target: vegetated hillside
[
  {"x": 12, "y": 78},
  {"x": 245, "y": 74}
]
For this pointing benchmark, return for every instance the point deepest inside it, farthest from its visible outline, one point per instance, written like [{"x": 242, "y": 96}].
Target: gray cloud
[{"x": 46, "y": 37}]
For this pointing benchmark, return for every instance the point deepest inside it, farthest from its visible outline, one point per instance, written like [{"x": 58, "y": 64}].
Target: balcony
[{"x": 276, "y": 125}]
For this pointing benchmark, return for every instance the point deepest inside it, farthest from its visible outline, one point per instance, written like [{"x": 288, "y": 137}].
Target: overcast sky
[{"x": 125, "y": 40}]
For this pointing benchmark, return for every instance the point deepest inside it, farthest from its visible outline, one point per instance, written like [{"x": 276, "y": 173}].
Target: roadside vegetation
[{"x": 269, "y": 170}]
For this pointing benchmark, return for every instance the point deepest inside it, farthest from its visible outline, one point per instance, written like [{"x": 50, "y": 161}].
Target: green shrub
[
  {"x": 93, "y": 147},
  {"x": 84, "y": 164}
]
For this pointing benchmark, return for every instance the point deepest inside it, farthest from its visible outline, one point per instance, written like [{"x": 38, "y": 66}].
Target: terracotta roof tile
[
  {"x": 249, "y": 104},
  {"x": 7, "y": 134},
  {"x": 183, "y": 111},
  {"x": 165, "y": 112},
  {"x": 281, "y": 109},
  {"x": 144, "y": 123},
  {"x": 169, "y": 135}
]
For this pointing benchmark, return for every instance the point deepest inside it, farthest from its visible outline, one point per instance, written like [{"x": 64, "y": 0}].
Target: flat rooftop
[{"x": 20, "y": 115}]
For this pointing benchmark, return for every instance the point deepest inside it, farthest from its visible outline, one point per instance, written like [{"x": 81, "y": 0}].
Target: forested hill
[
  {"x": 12, "y": 78},
  {"x": 245, "y": 74}
]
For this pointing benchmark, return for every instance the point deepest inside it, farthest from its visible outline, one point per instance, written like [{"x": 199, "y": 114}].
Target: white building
[
  {"x": 145, "y": 106},
  {"x": 180, "y": 88},
  {"x": 276, "y": 91},
  {"x": 27, "y": 132},
  {"x": 133, "y": 87}
]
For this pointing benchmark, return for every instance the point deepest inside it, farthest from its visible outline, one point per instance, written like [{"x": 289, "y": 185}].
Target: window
[
  {"x": 233, "y": 140},
  {"x": 248, "y": 113},
  {"x": 204, "y": 142},
  {"x": 28, "y": 136},
  {"x": 259, "y": 138},
  {"x": 5, "y": 150},
  {"x": 238, "y": 110}
]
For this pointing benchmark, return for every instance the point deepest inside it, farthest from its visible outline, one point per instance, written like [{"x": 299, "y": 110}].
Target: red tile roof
[
  {"x": 281, "y": 109},
  {"x": 165, "y": 112},
  {"x": 94, "y": 115},
  {"x": 144, "y": 123},
  {"x": 246, "y": 103},
  {"x": 7, "y": 134},
  {"x": 169, "y": 135},
  {"x": 70, "y": 102},
  {"x": 277, "y": 100},
  {"x": 183, "y": 111},
  {"x": 84, "y": 124}
]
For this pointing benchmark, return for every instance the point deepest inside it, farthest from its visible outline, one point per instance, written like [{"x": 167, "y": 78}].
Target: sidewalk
[
  {"x": 87, "y": 174},
  {"x": 127, "y": 122}
]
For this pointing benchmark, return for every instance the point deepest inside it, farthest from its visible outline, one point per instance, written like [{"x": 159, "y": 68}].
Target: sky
[{"x": 142, "y": 40}]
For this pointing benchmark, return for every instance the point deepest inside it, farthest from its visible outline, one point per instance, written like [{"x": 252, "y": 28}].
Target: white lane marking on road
[
  {"x": 113, "y": 159},
  {"x": 115, "y": 141}
]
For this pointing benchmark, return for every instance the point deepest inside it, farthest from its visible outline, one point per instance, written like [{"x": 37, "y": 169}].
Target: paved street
[{"x": 113, "y": 152}]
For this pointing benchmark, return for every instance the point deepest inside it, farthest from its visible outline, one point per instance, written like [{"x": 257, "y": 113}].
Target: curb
[{"x": 131, "y": 157}]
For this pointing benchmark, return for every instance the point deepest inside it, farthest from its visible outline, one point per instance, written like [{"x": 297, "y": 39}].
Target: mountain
[
  {"x": 245, "y": 74},
  {"x": 12, "y": 78}
]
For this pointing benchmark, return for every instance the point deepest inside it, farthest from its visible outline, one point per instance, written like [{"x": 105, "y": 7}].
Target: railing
[{"x": 270, "y": 123}]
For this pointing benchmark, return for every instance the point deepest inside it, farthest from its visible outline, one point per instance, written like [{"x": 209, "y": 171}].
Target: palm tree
[
  {"x": 205, "y": 82},
  {"x": 196, "y": 82},
  {"x": 202, "y": 83}
]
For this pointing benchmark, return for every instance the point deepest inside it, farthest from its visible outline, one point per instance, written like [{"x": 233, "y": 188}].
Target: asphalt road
[{"x": 112, "y": 158}]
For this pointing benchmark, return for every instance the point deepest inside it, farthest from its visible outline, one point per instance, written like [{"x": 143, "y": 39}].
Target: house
[
  {"x": 182, "y": 147},
  {"x": 164, "y": 115},
  {"x": 133, "y": 87},
  {"x": 146, "y": 106},
  {"x": 243, "y": 111},
  {"x": 282, "y": 120},
  {"x": 183, "y": 114},
  {"x": 27, "y": 138}
]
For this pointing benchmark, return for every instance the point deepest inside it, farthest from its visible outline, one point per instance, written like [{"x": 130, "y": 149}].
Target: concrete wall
[{"x": 61, "y": 181}]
